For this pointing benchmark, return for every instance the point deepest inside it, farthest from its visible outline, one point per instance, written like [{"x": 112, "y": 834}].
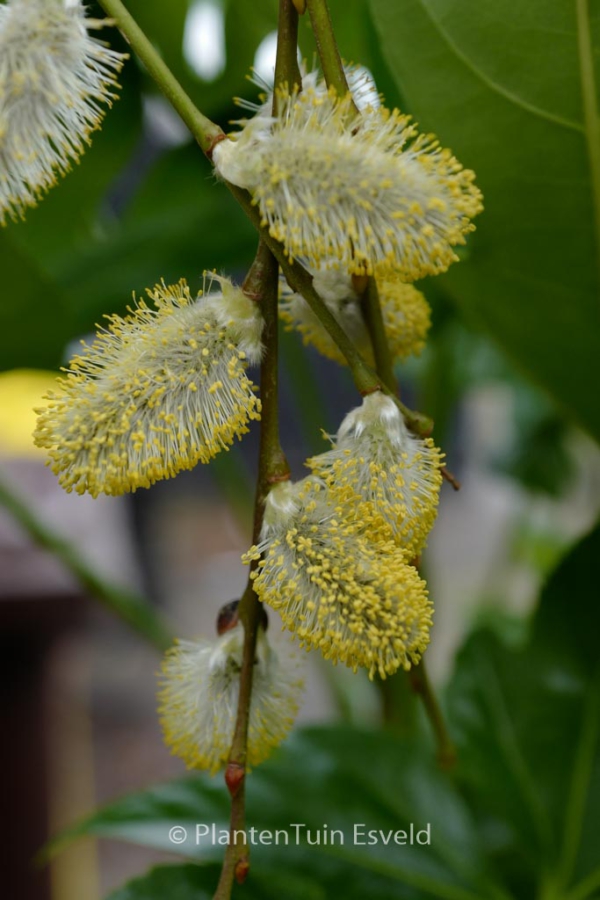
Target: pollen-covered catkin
[
  {"x": 405, "y": 312},
  {"x": 54, "y": 81},
  {"x": 377, "y": 462},
  {"x": 352, "y": 190},
  {"x": 339, "y": 583},
  {"x": 198, "y": 698},
  {"x": 157, "y": 392}
]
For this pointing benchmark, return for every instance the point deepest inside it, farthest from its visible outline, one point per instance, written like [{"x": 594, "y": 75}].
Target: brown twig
[
  {"x": 450, "y": 478},
  {"x": 261, "y": 283}
]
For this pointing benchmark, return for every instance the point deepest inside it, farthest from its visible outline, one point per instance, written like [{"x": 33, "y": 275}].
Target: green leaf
[
  {"x": 527, "y": 726},
  {"x": 179, "y": 224},
  {"x": 187, "y": 882},
  {"x": 32, "y": 312},
  {"x": 327, "y": 776},
  {"x": 38, "y": 313},
  {"x": 193, "y": 882},
  {"x": 505, "y": 85}
]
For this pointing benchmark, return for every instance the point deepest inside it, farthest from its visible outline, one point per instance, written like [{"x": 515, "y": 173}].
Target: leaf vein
[{"x": 513, "y": 98}]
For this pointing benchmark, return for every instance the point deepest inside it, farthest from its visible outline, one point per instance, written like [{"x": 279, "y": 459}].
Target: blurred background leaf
[
  {"x": 324, "y": 775},
  {"x": 527, "y": 726},
  {"x": 522, "y": 813},
  {"x": 193, "y": 882},
  {"x": 501, "y": 84}
]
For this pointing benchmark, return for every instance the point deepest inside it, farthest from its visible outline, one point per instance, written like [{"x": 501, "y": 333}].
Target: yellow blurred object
[{"x": 21, "y": 390}]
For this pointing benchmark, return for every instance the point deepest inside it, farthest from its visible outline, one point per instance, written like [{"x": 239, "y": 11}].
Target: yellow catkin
[
  {"x": 378, "y": 463},
  {"x": 198, "y": 697},
  {"x": 352, "y": 191},
  {"x": 405, "y": 312},
  {"x": 339, "y": 583},
  {"x": 158, "y": 391}
]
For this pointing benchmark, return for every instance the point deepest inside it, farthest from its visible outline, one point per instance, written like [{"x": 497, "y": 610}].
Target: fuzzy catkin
[
  {"x": 160, "y": 390},
  {"x": 338, "y": 582},
  {"x": 198, "y": 698},
  {"x": 55, "y": 83},
  {"x": 352, "y": 191}
]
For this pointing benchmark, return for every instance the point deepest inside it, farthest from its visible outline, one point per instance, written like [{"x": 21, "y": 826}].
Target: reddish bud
[
  {"x": 228, "y": 617},
  {"x": 234, "y": 776},
  {"x": 242, "y": 867}
]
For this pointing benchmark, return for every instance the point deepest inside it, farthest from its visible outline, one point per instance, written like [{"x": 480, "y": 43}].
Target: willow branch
[
  {"x": 128, "y": 605},
  {"x": 261, "y": 285},
  {"x": 366, "y": 380},
  {"x": 207, "y": 133},
  {"x": 287, "y": 71}
]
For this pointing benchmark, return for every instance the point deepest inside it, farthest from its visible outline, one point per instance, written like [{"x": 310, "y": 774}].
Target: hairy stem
[
  {"x": 128, "y": 605},
  {"x": 207, "y": 133}
]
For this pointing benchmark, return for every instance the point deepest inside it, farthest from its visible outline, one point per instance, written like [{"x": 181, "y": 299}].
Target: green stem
[
  {"x": 287, "y": 71},
  {"x": 301, "y": 281},
  {"x": 421, "y": 685},
  {"x": 371, "y": 309},
  {"x": 327, "y": 47},
  {"x": 207, "y": 133},
  {"x": 128, "y": 605}
]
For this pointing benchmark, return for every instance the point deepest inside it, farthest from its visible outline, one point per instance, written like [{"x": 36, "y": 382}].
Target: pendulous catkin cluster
[{"x": 350, "y": 189}]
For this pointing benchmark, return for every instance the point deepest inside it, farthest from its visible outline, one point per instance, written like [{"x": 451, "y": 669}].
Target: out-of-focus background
[{"x": 78, "y": 686}]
